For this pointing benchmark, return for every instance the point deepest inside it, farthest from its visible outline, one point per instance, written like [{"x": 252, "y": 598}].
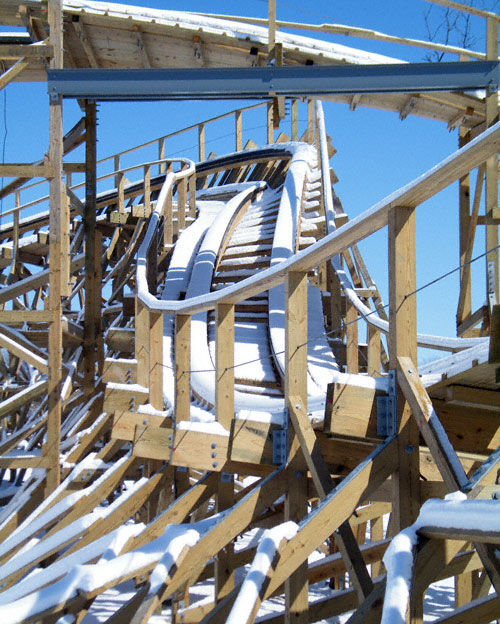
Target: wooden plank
[
  {"x": 351, "y": 411},
  {"x": 465, "y": 535},
  {"x": 479, "y": 611},
  {"x": 26, "y": 170},
  {"x": 120, "y": 370},
  {"x": 124, "y": 397},
  {"x": 20, "y": 462},
  {"x": 251, "y": 441},
  {"x": 17, "y": 51},
  {"x": 20, "y": 398},
  {"x": 124, "y": 424},
  {"x": 473, "y": 397},
  {"x": 494, "y": 351},
  {"x": 21, "y": 316},
  {"x": 35, "y": 281},
  {"x": 197, "y": 450},
  {"x": 25, "y": 354}
]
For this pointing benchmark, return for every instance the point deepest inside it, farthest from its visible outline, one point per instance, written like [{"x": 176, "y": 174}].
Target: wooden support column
[
  {"x": 373, "y": 351},
  {"x": 201, "y": 142},
  {"x": 352, "y": 357},
  {"x": 295, "y": 120},
  {"x": 464, "y": 223},
  {"x": 492, "y": 209},
  {"x": 182, "y": 366},
  {"x": 155, "y": 360},
  {"x": 56, "y": 227},
  {"x": 403, "y": 342},
  {"x": 238, "y": 130},
  {"x": 296, "y": 586},
  {"x": 142, "y": 342},
  {"x": 224, "y": 358},
  {"x": 92, "y": 320}
]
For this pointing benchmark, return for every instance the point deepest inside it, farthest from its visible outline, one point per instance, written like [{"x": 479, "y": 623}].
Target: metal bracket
[
  {"x": 280, "y": 442},
  {"x": 386, "y": 409}
]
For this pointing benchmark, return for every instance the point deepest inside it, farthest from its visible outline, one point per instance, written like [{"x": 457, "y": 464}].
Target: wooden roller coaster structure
[{"x": 185, "y": 403}]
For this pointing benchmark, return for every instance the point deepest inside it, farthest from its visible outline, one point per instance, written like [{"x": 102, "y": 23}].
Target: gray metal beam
[{"x": 263, "y": 82}]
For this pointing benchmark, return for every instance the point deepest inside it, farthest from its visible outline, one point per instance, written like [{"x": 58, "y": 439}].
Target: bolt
[
  {"x": 410, "y": 371},
  {"x": 144, "y": 422},
  {"x": 299, "y": 474},
  {"x": 409, "y": 448},
  {"x": 214, "y": 455},
  {"x": 214, "y": 465},
  {"x": 214, "y": 445}
]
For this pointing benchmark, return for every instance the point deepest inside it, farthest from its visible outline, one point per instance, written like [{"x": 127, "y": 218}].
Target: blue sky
[{"x": 377, "y": 153}]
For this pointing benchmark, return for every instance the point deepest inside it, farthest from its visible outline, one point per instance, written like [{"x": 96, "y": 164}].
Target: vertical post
[
  {"x": 373, "y": 351},
  {"x": 271, "y": 12},
  {"x": 403, "y": 342},
  {"x": 224, "y": 349},
  {"x": 181, "y": 205},
  {"x": 310, "y": 121},
  {"x": 352, "y": 339},
  {"x": 192, "y": 195},
  {"x": 295, "y": 120},
  {"x": 296, "y": 586},
  {"x": 201, "y": 142},
  {"x": 161, "y": 155},
  {"x": 464, "y": 223},
  {"x": 270, "y": 123},
  {"x": 51, "y": 448},
  {"x": 142, "y": 342},
  {"x": 117, "y": 167},
  {"x": 182, "y": 367},
  {"x": 492, "y": 209},
  {"x": 238, "y": 131},
  {"x": 92, "y": 289},
  {"x": 147, "y": 190},
  {"x": 155, "y": 360}
]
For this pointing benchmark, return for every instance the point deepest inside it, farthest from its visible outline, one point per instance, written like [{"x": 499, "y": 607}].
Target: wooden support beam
[
  {"x": 296, "y": 585},
  {"x": 27, "y": 170},
  {"x": 57, "y": 229},
  {"x": 182, "y": 367},
  {"x": 92, "y": 322},
  {"x": 24, "y": 354},
  {"x": 320, "y": 473},
  {"x": 13, "y": 71},
  {"x": 81, "y": 31},
  {"x": 156, "y": 360},
  {"x": 335, "y": 509},
  {"x": 430, "y": 427},
  {"x": 464, "y": 302},
  {"x": 403, "y": 342},
  {"x": 224, "y": 364},
  {"x": 492, "y": 210}
]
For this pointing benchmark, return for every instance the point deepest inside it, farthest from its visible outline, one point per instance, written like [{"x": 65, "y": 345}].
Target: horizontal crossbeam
[{"x": 263, "y": 82}]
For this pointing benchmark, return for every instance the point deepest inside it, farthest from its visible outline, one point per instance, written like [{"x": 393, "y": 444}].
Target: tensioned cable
[{"x": 339, "y": 330}]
